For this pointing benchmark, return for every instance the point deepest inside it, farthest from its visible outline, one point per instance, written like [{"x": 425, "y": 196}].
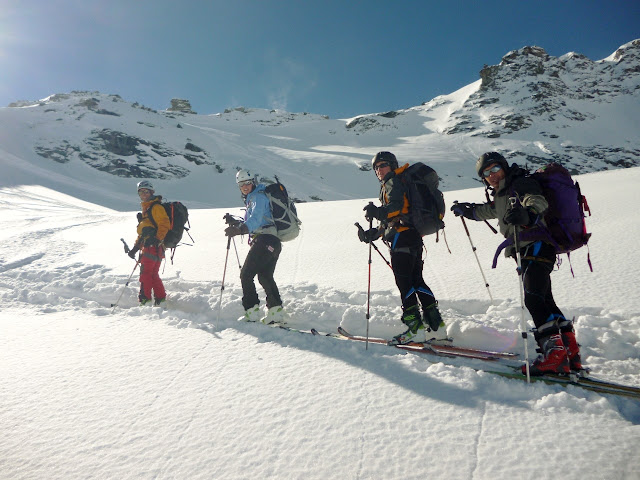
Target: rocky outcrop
[
  {"x": 530, "y": 87},
  {"x": 180, "y": 105}
]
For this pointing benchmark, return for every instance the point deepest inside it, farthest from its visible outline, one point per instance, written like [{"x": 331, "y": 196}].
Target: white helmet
[
  {"x": 145, "y": 184},
  {"x": 244, "y": 176}
]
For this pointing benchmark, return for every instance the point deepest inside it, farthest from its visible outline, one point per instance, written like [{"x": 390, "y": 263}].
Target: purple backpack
[
  {"x": 565, "y": 226},
  {"x": 566, "y": 229}
]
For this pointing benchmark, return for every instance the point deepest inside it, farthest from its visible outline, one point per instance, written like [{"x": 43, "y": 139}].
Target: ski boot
[
  {"x": 143, "y": 300},
  {"x": 571, "y": 344},
  {"x": 553, "y": 358},
  {"x": 275, "y": 315},
  {"x": 415, "y": 331},
  {"x": 435, "y": 329},
  {"x": 252, "y": 314},
  {"x": 159, "y": 301},
  {"x": 573, "y": 351}
]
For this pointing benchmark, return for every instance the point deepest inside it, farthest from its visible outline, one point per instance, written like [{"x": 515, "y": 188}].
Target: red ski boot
[
  {"x": 553, "y": 359},
  {"x": 573, "y": 350}
]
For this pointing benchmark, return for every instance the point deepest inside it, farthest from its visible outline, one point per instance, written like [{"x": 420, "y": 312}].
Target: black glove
[
  {"x": 151, "y": 241},
  {"x": 148, "y": 232},
  {"x": 371, "y": 211},
  {"x": 231, "y": 220},
  {"x": 139, "y": 217},
  {"x": 369, "y": 235},
  {"x": 517, "y": 215},
  {"x": 132, "y": 252},
  {"x": 233, "y": 230},
  {"x": 464, "y": 209}
]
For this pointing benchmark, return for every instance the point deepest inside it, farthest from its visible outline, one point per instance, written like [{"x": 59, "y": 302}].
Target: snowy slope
[
  {"x": 533, "y": 107},
  {"x": 179, "y": 393}
]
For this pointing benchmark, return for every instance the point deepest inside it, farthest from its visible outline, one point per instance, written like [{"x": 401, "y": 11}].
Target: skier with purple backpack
[{"x": 521, "y": 207}]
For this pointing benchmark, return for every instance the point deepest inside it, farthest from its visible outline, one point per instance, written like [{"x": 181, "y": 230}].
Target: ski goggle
[
  {"x": 380, "y": 165},
  {"x": 245, "y": 183},
  {"x": 489, "y": 171}
]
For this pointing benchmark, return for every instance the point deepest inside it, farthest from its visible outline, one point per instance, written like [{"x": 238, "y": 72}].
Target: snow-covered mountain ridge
[{"x": 532, "y": 106}]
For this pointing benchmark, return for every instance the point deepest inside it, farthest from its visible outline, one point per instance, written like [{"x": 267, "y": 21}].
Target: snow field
[{"x": 149, "y": 392}]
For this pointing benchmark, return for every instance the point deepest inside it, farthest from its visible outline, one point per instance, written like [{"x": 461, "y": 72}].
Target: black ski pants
[
  {"x": 261, "y": 261},
  {"x": 538, "y": 260},
  {"x": 407, "y": 267}
]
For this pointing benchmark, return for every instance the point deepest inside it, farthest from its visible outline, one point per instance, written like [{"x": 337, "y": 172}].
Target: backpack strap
[
  {"x": 150, "y": 210},
  {"x": 502, "y": 246}
]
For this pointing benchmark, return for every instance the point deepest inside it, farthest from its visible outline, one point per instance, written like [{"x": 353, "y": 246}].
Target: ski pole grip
[
  {"x": 359, "y": 227},
  {"x": 126, "y": 247}
]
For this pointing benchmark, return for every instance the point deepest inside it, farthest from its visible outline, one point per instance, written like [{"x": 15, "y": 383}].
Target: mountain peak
[
  {"x": 525, "y": 54},
  {"x": 628, "y": 51}
]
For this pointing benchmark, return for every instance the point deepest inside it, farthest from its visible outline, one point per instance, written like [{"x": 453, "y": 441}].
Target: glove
[
  {"x": 517, "y": 215},
  {"x": 369, "y": 235},
  {"x": 231, "y": 220},
  {"x": 464, "y": 209},
  {"x": 233, "y": 230},
  {"x": 132, "y": 252},
  {"x": 139, "y": 217},
  {"x": 371, "y": 211},
  {"x": 148, "y": 232},
  {"x": 151, "y": 241}
]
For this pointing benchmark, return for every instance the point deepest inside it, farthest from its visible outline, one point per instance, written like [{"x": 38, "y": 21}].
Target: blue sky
[{"x": 339, "y": 58}]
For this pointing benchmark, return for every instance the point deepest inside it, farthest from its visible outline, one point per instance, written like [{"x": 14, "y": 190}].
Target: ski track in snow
[{"x": 478, "y": 441}]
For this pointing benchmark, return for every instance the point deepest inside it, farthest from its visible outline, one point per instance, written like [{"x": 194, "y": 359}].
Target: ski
[
  {"x": 284, "y": 326},
  {"x": 452, "y": 350},
  {"x": 597, "y": 382},
  {"x": 506, "y": 367},
  {"x": 595, "y": 385},
  {"x": 425, "y": 348}
]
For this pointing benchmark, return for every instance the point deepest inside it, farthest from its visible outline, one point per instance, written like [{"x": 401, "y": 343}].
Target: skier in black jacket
[
  {"x": 405, "y": 245},
  {"x": 554, "y": 333}
]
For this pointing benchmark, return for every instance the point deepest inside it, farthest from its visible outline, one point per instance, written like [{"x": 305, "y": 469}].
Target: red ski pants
[{"x": 150, "y": 262}]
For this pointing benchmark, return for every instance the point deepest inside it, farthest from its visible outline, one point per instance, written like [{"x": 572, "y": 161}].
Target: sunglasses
[
  {"x": 143, "y": 191},
  {"x": 494, "y": 169},
  {"x": 380, "y": 165},
  {"x": 245, "y": 183}
]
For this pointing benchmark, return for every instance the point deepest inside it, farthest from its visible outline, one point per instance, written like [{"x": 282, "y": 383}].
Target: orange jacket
[{"x": 162, "y": 223}]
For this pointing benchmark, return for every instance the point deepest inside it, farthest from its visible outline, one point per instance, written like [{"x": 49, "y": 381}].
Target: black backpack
[
  {"x": 178, "y": 218},
  {"x": 426, "y": 202}
]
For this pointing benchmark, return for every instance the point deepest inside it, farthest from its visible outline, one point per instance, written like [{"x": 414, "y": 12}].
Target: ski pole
[
  {"x": 237, "y": 256},
  {"x": 224, "y": 274},
  {"x": 523, "y": 323},
  {"x": 114, "y": 305},
  {"x": 126, "y": 247},
  {"x": 375, "y": 247},
  {"x": 231, "y": 220},
  {"x": 366, "y": 345},
  {"x": 473, "y": 249}
]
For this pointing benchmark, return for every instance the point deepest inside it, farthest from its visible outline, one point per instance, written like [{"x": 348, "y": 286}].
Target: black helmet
[
  {"x": 490, "y": 158},
  {"x": 388, "y": 157}
]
